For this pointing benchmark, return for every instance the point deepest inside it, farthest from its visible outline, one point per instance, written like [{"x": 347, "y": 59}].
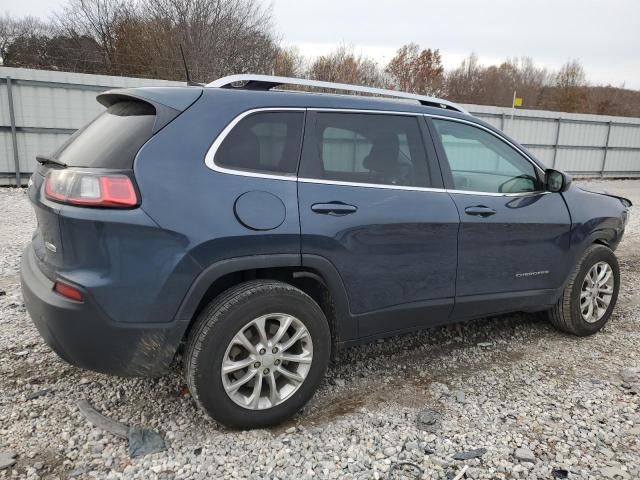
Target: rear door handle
[
  {"x": 479, "y": 211},
  {"x": 334, "y": 208}
]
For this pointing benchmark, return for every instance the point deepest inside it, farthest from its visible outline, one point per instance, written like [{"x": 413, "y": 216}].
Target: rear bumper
[{"x": 82, "y": 335}]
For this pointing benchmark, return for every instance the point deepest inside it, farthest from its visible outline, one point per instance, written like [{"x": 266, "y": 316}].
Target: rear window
[
  {"x": 112, "y": 139},
  {"x": 266, "y": 142}
]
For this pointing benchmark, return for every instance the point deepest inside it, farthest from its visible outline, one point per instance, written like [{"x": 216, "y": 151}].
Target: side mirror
[{"x": 556, "y": 181}]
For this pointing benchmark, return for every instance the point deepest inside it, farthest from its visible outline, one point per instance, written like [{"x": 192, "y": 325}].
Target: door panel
[
  {"x": 396, "y": 248},
  {"x": 522, "y": 246},
  {"x": 366, "y": 206},
  {"x": 514, "y": 238}
]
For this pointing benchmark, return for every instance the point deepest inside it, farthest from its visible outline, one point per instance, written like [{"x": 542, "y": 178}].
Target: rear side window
[
  {"x": 267, "y": 142},
  {"x": 365, "y": 148},
  {"x": 112, "y": 139}
]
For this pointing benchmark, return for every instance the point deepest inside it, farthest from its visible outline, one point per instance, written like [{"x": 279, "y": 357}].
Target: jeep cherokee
[{"x": 263, "y": 229}]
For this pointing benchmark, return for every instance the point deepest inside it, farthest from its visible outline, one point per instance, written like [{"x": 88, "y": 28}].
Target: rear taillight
[{"x": 90, "y": 189}]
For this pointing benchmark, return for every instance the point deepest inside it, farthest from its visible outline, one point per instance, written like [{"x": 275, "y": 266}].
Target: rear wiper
[{"x": 46, "y": 160}]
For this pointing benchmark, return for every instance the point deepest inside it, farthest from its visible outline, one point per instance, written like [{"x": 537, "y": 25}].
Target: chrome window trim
[
  {"x": 369, "y": 185},
  {"x": 416, "y": 189},
  {"x": 361, "y": 110},
  {"x": 211, "y": 153},
  {"x": 498, "y": 194},
  {"x": 210, "y": 163}
]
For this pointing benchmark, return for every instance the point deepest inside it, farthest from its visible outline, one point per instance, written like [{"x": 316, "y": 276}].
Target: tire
[
  {"x": 214, "y": 339},
  {"x": 567, "y": 315}
]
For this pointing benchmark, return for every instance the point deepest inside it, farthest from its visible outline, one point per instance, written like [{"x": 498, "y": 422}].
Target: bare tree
[
  {"x": 464, "y": 84},
  {"x": 288, "y": 62},
  {"x": 571, "y": 75},
  {"x": 610, "y": 100},
  {"x": 499, "y": 82},
  {"x": 569, "y": 91},
  {"x": 13, "y": 30},
  {"x": 417, "y": 71},
  {"x": 530, "y": 80},
  {"x": 219, "y": 36},
  {"x": 8, "y": 34},
  {"x": 344, "y": 66},
  {"x": 96, "y": 19}
]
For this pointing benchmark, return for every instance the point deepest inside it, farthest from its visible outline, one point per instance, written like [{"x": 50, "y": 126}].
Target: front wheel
[
  {"x": 590, "y": 294},
  {"x": 257, "y": 354}
]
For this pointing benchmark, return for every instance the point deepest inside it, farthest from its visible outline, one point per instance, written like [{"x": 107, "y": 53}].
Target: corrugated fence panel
[
  {"x": 51, "y": 107},
  {"x": 583, "y": 134},
  {"x": 48, "y": 105},
  {"x": 623, "y": 161},
  {"x": 574, "y": 160},
  {"x": 527, "y": 131},
  {"x": 625, "y": 136},
  {"x": 4, "y": 106},
  {"x": 6, "y": 153},
  {"x": 543, "y": 154}
]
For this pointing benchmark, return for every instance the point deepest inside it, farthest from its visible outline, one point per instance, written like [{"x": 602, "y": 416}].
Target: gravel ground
[{"x": 536, "y": 403}]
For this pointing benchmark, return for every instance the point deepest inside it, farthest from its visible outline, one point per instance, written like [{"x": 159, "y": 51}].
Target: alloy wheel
[
  {"x": 267, "y": 361},
  {"x": 596, "y": 292}
]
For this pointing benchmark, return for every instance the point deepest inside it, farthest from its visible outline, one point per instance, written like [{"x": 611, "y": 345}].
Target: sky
[{"x": 604, "y": 35}]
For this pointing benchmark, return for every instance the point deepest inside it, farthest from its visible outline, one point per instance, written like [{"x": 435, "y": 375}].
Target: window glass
[
  {"x": 365, "y": 148},
  {"x": 481, "y": 162},
  {"x": 263, "y": 142},
  {"x": 111, "y": 140}
]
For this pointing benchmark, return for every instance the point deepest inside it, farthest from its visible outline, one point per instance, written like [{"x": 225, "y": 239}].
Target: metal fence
[
  {"x": 40, "y": 109},
  {"x": 581, "y": 144}
]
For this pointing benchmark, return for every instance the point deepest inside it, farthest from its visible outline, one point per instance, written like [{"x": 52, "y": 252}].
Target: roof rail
[{"x": 267, "y": 82}]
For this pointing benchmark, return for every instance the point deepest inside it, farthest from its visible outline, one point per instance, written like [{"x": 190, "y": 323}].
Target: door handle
[
  {"x": 336, "y": 209},
  {"x": 479, "y": 211}
]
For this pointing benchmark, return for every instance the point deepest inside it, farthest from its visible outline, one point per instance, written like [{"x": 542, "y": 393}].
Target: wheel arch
[
  {"x": 316, "y": 277},
  {"x": 604, "y": 236},
  {"x": 579, "y": 245}
]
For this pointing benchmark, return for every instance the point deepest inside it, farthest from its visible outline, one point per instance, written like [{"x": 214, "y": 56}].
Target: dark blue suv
[{"x": 263, "y": 229}]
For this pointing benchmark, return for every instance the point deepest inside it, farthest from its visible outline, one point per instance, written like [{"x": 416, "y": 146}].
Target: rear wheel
[
  {"x": 590, "y": 295},
  {"x": 257, "y": 354}
]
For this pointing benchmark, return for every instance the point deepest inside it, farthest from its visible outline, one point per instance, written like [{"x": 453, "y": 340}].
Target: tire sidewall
[
  {"x": 598, "y": 254},
  {"x": 207, "y": 360}
]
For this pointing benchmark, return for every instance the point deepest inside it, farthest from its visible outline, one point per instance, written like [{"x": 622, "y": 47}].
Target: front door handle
[
  {"x": 333, "y": 208},
  {"x": 479, "y": 211}
]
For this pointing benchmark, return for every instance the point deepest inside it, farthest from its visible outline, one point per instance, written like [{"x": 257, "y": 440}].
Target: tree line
[{"x": 142, "y": 38}]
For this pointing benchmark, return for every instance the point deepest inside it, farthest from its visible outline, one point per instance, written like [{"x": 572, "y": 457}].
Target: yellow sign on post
[{"x": 517, "y": 102}]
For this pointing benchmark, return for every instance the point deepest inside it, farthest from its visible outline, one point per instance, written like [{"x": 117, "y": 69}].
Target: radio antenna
[{"x": 186, "y": 71}]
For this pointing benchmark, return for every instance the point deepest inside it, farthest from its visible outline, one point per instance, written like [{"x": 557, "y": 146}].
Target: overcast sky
[{"x": 603, "y": 34}]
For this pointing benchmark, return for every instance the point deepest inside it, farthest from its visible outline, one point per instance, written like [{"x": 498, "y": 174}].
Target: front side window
[
  {"x": 365, "y": 148},
  {"x": 481, "y": 162},
  {"x": 267, "y": 142}
]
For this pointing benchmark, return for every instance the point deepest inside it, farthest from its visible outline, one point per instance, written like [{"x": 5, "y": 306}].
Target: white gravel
[{"x": 538, "y": 401}]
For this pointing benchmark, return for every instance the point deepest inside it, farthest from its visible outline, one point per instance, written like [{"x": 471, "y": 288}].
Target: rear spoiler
[{"x": 169, "y": 102}]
